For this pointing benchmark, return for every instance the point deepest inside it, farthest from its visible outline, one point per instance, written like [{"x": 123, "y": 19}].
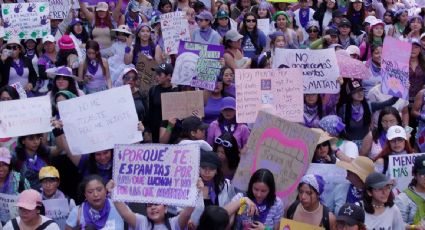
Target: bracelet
[
  {"x": 127, "y": 49},
  {"x": 57, "y": 132}
]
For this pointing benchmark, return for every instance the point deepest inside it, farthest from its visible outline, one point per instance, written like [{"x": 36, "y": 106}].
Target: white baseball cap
[
  {"x": 395, "y": 132},
  {"x": 49, "y": 38},
  {"x": 352, "y": 49}
]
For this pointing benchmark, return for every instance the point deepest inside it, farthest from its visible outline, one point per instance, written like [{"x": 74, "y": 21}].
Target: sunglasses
[
  {"x": 12, "y": 47},
  {"x": 251, "y": 20},
  {"x": 222, "y": 142},
  {"x": 312, "y": 31}
]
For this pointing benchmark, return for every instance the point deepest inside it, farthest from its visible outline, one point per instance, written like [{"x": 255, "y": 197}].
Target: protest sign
[
  {"x": 175, "y": 27},
  {"x": 287, "y": 224},
  {"x": 146, "y": 74},
  {"x": 97, "y": 121},
  {"x": 182, "y": 104},
  {"x": 7, "y": 207},
  {"x": 26, "y": 20},
  {"x": 156, "y": 173},
  {"x": 263, "y": 24},
  {"x": 395, "y": 67},
  {"x": 59, "y": 9},
  {"x": 25, "y": 116},
  {"x": 197, "y": 65},
  {"x": 280, "y": 91},
  {"x": 283, "y": 147},
  {"x": 20, "y": 90},
  {"x": 57, "y": 210},
  {"x": 400, "y": 169},
  {"x": 320, "y": 68},
  {"x": 350, "y": 67}
]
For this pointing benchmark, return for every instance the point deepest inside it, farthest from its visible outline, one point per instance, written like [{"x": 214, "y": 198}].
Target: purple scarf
[
  {"x": 310, "y": 115},
  {"x": 92, "y": 67},
  {"x": 304, "y": 16},
  {"x": 222, "y": 30},
  {"x": 354, "y": 194},
  {"x": 95, "y": 218},
  {"x": 263, "y": 211},
  {"x": 382, "y": 139},
  {"x": 211, "y": 191},
  {"x": 34, "y": 164},
  {"x": 357, "y": 112},
  {"x": 19, "y": 67},
  {"x": 205, "y": 33},
  {"x": 227, "y": 126}
]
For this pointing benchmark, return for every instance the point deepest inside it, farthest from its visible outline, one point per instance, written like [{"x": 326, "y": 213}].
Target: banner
[
  {"x": 279, "y": 91},
  {"x": 182, "y": 104},
  {"x": 263, "y": 24},
  {"x": 283, "y": 147},
  {"x": 197, "y": 65},
  {"x": 156, "y": 173},
  {"x": 320, "y": 68},
  {"x": 97, "y": 121},
  {"x": 287, "y": 224},
  {"x": 26, "y": 20},
  {"x": 8, "y": 209},
  {"x": 25, "y": 116},
  {"x": 395, "y": 67},
  {"x": 175, "y": 27},
  {"x": 400, "y": 169},
  {"x": 57, "y": 210}
]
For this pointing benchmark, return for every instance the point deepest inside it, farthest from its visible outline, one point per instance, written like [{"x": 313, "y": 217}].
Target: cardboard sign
[
  {"x": 320, "y": 68},
  {"x": 7, "y": 207},
  {"x": 197, "y": 65},
  {"x": 175, "y": 27},
  {"x": 263, "y": 24},
  {"x": 182, "y": 104},
  {"x": 283, "y": 147},
  {"x": 57, "y": 210},
  {"x": 97, "y": 121},
  {"x": 156, "y": 173},
  {"x": 400, "y": 169},
  {"x": 146, "y": 74},
  {"x": 25, "y": 116},
  {"x": 395, "y": 67},
  {"x": 26, "y": 20},
  {"x": 279, "y": 91},
  {"x": 287, "y": 224}
]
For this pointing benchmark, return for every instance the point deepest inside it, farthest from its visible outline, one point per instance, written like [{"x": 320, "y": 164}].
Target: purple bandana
[
  {"x": 5, "y": 187},
  {"x": 263, "y": 211},
  {"x": 95, "y": 218},
  {"x": 211, "y": 191},
  {"x": 304, "y": 17},
  {"x": 310, "y": 116},
  {"x": 205, "y": 33},
  {"x": 92, "y": 67},
  {"x": 34, "y": 164},
  {"x": 19, "y": 67},
  {"x": 357, "y": 112}
]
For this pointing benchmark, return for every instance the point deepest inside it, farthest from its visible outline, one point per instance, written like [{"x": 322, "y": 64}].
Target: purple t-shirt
[{"x": 212, "y": 109}]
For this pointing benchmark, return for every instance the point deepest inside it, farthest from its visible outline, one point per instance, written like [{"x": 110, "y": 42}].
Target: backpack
[{"x": 41, "y": 227}]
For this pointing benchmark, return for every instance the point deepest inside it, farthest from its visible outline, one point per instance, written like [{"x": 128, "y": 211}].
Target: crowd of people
[{"x": 98, "y": 47}]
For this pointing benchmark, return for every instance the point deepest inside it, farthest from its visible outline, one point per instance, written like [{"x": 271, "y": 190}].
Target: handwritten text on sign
[
  {"x": 25, "y": 116},
  {"x": 7, "y": 207},
  {"x": 279, "y": 91},
  {"x": 283, "y": 147},
  {"x": 175, "y": 27},
  {"x": 26, "y": 20},
  {"x": 400, "y": 169},
  {"x": 97, "y": 121},
  {"x": 57, "y": 210},
  {"x": 155, "y": 173},
  {"x": 182, "y": 104},
  {"x": 320, "y": 68},
  {"x": 395, "y": 67}
]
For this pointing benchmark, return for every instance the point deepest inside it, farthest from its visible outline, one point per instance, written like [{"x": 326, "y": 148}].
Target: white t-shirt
[
  {"x": 142, "y": 223},
  {"x": 381, "y": 222},
  {"x": 52, "y": 226}
]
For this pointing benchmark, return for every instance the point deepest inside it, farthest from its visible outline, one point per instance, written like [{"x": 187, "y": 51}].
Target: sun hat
[
  {"x": 29, "y": 199},
  {"x": 5, "y": 155},
  {"x": 48, "y": 172},
  {"x": 60, "y": 71},
  {"x": 396, "y": 132},
  {"x": 361, "y": 166},
  {"x": 102, "y": 6},
  {"x": 324, "y": 136},
  {"x": 14, "y": 41},
  {"x": 123, "y": 29}
]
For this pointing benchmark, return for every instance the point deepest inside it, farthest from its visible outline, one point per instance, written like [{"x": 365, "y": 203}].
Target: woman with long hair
[
  {"x": 356, "y": 14},
  {"x": 94, "y": 71},
  {"x": 282, "y": 23},
  {"x": 401, "y": 19},
  {"x": 254, "y": 40},
  {"x": 414, "y": 28},
  {"x": 222, "y": 23},
  {"x": 228, "y": 152},
  {"x": 323, "y": 15},
  {"x": 375, "y": 37}
]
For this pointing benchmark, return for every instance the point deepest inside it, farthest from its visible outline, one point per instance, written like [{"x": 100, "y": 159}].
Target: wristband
[
  {"x": 127, "y": 49},
  {"x": 57, "y": 132}
]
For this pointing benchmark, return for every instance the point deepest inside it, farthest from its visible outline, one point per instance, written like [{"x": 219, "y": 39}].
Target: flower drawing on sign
[{"x": 17, "y": 8}]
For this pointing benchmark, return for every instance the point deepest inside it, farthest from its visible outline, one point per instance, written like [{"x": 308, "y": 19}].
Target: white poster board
[
  {"x": 175, "y": 27},
  {"x": 57, "y": 210}
]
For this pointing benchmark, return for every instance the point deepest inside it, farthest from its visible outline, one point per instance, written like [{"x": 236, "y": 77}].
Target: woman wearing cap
[
  {"x": 117, "y": 62},
  {"x": 228, "y": 152},
  {"x": 63, "y": 79},
  {"x": 396, "y": 144},
  {"x": 254, "y": 40},
  {"x": 259, "y": 208},
  {"x": 97, "y": 211},
  {"x": 308, "y": 207},
  {"x": 378, "y": 201},
  {"x": 282, "y": 23},
  {"x": 78, "y": 32},
  {"x": 323, "y": 15},
  {"x": 205, "y": 34},
  {"x": 352, "y": 217},
  {"x": 226, "y": 123},
  {"x": 94, "y": 71},
  {"x": 411, "y": 201},
  {"x": 132, "y": 18},
  {"x": 222, "y": 23},
  {"x": 15, "y": 67},
  {"x": 375, "y": 140},
  {"x": 313, "y": 32},
  {"x": 31, "y": 213},
  {"x": 11, "y": 181},
  {"x": 401, "y": 18},
  {"x": 233, "y": 55},
  {"x": 375, "y": 37},
  {"x": 323, "y": 153}
]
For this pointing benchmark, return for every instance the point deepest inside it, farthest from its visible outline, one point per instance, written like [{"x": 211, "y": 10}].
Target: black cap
[
  {"x": 209, "y": 159},
  {"x": 353, "y": 85},
  {"x": 337, "y": 13},
  {"x": 419, "y": 165},
  {"x": 164, "y": 68},
  {"x": 193, "y": 123},
  {"x": 344, "y": 22},
  {"x": 351, "y": 214},
  {"x": 331, "y": 31}
]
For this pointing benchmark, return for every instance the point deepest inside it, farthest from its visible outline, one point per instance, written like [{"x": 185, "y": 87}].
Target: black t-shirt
[{"x": 155, "y": 113}]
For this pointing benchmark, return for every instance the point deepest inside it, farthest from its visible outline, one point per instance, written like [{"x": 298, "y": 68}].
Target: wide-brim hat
[
  {"x": 324, "y": 136},
  {"x": 122, "y": 29},
  {"x": 15, "y": 41},
  {"x": 60, "y": 71},
  {"x": 361, "y": 166}
]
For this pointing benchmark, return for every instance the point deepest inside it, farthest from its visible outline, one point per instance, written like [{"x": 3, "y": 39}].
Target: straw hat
[{"x": 361, "y": 166}]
